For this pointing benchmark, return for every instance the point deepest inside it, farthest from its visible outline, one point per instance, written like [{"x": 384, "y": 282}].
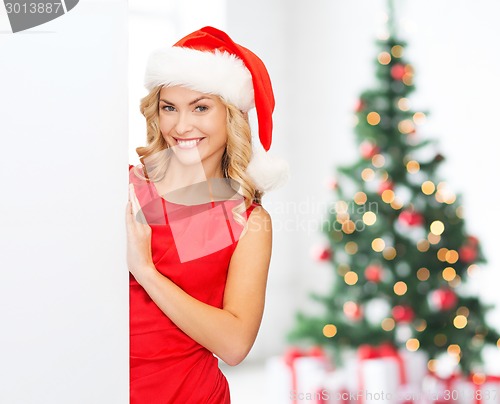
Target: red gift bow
[
  {"x": 447, "y": 381},
  {"x": 383, "y": 351},
  {"x": 294, "y": 353}
]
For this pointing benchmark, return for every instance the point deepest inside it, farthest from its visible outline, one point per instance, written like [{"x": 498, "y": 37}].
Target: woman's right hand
[{"x": 139, "y": 255}]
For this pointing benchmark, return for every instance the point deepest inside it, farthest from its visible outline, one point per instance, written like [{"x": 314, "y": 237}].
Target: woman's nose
[{"x": 184, "y": 123}]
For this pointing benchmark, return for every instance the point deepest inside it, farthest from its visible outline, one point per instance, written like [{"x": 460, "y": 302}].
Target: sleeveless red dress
[{"x": 192, "y": 246}]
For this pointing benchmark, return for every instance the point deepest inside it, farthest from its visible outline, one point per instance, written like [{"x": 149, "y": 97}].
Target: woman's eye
[
  {"x": 201, "y": 108},
  {"x": 169, "y": 108}
]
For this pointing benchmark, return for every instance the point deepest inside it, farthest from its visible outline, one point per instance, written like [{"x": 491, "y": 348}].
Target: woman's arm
[{"x": 231, "y": 331}]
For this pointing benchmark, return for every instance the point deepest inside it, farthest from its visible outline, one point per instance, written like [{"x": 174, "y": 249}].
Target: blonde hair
[{"x": 234, "y": 162}]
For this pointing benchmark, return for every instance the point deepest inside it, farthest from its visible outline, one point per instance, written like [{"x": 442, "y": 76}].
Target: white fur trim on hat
[
  {"x": 267, "y": 172},
  {"x": 208, "y": 72}
]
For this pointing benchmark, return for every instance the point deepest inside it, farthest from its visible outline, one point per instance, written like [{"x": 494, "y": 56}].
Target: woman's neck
[{"x": 181, "y": 175}]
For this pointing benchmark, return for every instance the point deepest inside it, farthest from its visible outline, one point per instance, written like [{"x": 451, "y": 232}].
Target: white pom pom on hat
[
  {"x": 209, "y": 61},
  {"x": 267, "y": 172}
]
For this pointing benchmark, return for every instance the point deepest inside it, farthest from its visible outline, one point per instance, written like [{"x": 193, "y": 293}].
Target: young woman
[{"x": 198, "y": 240}]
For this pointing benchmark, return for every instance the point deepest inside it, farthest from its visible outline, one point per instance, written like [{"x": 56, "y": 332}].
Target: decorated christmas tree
[{"x": 398, "y": 243}]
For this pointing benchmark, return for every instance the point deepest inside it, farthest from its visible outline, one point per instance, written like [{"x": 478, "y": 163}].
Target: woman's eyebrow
[
  {"x": 204, "y": 97},
  {"x": 199, "y": 99}
]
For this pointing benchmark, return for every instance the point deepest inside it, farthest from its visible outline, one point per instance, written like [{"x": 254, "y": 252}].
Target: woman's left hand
[{"x": 139, "y": 256}]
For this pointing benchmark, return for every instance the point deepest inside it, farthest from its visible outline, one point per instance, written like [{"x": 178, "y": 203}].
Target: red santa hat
[{"x": 209, "y": 61}]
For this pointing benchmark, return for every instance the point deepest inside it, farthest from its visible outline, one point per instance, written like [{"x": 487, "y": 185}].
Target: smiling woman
[
  {"x": 190, "y": 120},
  {"x": 198, "y": 239}
]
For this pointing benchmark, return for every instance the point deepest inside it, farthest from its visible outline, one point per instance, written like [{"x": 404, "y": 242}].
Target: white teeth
[{"x": 187, "y": 144}]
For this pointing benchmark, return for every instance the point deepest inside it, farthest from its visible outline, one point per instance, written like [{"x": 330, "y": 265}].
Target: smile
[{"x": 188, "y": 143}]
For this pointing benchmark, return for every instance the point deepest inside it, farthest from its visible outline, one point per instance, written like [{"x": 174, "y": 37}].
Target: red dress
[{"x": 166, "y": 365}]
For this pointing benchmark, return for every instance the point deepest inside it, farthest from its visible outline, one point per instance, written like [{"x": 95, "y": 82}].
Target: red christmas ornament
[
  {"x": 411, "y": 218},
  {"x": 360, "y": 105},
  {"x": 352, "y": 311},
  {"x": 468, "y": 253},
  {"x": 333, "y": 184},
  {"x": 373, "y": 273},
  {"x": 472, "y": 240},
  {"x": 368, "y": 149},
  {"x": 403, "y": 314},
  {"x": 398, "y": 71},
  {"x": 322, "y": 253},
  {"x": 443, "y": 299},
  {"x": 384, "y": 186}
]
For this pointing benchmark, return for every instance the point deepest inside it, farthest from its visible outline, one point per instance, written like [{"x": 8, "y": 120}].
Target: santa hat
[{"x": 209, "y": 61}]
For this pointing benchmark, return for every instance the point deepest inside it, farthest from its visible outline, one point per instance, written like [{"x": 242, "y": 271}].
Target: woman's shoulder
[
  {"x": 257, "y": 214},
  {"x": 137, "y": 174},
  {"x": 136, "y": 167}
]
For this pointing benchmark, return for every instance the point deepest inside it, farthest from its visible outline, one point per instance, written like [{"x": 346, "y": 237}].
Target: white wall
[
  {"x": 267, "y": 38},
  {"x": 63, "y": 170}
]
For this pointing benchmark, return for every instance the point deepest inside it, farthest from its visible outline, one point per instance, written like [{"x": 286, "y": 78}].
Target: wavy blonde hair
[{"x": 234, "y": 161}]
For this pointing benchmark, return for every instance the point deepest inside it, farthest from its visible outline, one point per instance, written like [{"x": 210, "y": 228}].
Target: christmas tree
[{"x": 398, "y": 243}]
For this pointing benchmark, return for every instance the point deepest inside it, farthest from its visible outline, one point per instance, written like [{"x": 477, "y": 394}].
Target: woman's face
[{"x": 194, "y": 125}]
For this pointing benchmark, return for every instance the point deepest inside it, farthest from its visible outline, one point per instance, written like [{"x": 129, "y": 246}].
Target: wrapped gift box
[
  {"x": 456, "y": 388},
  {"x": 335, "y": 388},
  {"x": 477, "y": 389},
  {"x": 297, "y": 377},
  {"x": 442, "y": 389},
  {"x": 374, "y": 375},
  {"x": 381, "y": 374},
  {"x": 384, "y": 374}
]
